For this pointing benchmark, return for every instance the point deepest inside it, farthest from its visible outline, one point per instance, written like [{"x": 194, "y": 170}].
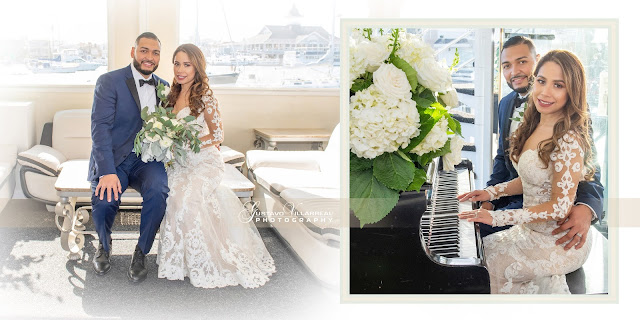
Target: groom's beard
[
  {"x": 138, "y": 67},
  {"x": 521, "y": 90}
]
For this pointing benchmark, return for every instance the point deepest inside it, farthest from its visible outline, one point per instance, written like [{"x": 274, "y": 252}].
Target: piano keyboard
[{"x": 446, "y": 239}]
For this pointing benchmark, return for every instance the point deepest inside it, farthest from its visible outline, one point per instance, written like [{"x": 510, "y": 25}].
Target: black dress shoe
[
  {"x": 101, "y": 262},
  {"x": 137, "y": 271}
]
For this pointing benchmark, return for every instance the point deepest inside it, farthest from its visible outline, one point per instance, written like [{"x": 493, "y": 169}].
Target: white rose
[
  {"x": 374, "y": 54},
  {"x": 392, "y": 81},
  {"x": 433, "y": 75},
  {"x": 450, "y": 98},
  {"x": 175, "y": 122},
  {"x": 158, "y": 125},
  {"x": 165, "y": 142},
  {"x": 152, "y": 138},
  {"x": 166, "y": 91},
  {"x": 455, "y": 156}
]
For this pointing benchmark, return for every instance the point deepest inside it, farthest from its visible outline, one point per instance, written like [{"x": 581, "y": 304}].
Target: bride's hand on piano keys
[
  {"x": 476, "y": 195},
  {"x": 479, "y": 215}
]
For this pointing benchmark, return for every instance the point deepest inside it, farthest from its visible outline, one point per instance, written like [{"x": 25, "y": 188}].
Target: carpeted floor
[{"x": 37, "y": 280}]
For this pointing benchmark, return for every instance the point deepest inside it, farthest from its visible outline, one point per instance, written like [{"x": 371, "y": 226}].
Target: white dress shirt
[{"x": 146, "y": 93}]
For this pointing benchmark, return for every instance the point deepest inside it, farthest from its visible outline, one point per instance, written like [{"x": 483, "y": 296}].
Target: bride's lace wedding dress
[
  {"x": 525, "y": 259},
  {"x": 202, "y": 236}
]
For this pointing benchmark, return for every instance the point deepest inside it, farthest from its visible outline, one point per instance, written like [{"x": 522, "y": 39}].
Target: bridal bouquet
[
  {"x": 399, "y": 119},
  {"x": 163, "y": 137}
]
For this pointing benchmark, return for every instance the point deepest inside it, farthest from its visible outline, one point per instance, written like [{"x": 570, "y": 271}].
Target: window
[
  {"x": 272, "y": 44},
  {"x": 57, "y": 43}
]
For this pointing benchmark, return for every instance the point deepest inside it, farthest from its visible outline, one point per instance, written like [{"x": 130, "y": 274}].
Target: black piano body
[{"x": 388, "y": 257}]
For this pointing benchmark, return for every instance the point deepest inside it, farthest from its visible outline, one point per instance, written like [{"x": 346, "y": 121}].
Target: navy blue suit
[
  {"x": 115, "y": 121},
  {"x": 589, "y": 192}
]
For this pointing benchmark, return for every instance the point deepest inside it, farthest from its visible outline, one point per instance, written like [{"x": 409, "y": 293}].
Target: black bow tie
[
  {"x": 151, "y": 82},
  {"x": 518, "y": 101}
]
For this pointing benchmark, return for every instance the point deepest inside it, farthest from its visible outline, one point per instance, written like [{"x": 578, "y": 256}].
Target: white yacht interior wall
[{"x": 242, "y": 109}]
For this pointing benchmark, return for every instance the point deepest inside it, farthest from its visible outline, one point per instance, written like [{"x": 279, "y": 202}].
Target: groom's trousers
[{"x": 150, "y": 180}]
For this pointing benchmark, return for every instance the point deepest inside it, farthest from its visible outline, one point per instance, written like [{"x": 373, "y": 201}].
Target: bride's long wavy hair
[
  {"x": 576, "y": 115},
  {"x": 200, "y": 85}
]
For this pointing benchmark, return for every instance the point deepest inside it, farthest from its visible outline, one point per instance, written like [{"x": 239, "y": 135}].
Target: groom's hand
[
  {"x": 111, "y": 184},
  {"x": 578, "y": 221}
]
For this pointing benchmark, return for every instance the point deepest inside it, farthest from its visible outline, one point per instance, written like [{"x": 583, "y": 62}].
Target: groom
[
  {"x": 115, "y": 120},
  {"x": 518, "y": 59}
]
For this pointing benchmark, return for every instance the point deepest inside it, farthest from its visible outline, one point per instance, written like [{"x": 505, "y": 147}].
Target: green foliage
[
  {"x": 162, "y": 125},
  {"x": 394, "y": 171},
  {"x": 362, "y": 83},
  {"x": 455, "y": 62},
  {"x": 370, "y": 200},
  {"x": 412, "y": 74},
  {"x": 419, "y": 178},
  {"x": 375, "y": 184},
  {"x": 358, "y": 164},
  {"x": 428, "y": 157}
]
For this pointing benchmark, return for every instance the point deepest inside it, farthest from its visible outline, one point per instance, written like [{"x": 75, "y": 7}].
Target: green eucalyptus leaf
[{"x": 144, "y": 114}]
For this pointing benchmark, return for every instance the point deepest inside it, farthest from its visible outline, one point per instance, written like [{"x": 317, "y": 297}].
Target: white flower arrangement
[
  {"x": 163, "y": 137},
  {"x": 399, "y": 118}
]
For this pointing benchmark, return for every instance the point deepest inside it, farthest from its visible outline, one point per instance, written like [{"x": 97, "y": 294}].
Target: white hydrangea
[
  {"x": 413, "y": 49},
  {"x": 435, "y": 139},
  {"x": 455, "y": 156},
  {"x": 380, "y": 123},
  {"x": 392, "y": 82}
]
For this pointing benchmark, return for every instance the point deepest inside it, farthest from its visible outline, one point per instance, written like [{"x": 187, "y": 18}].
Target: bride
[
  {"x": 552, "y": 152},
  {"x": 201, "y": 236}
]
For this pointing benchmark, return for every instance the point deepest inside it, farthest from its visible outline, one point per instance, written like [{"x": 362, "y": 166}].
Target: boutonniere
[
  {"x": 520, "y": 115},
  {"x": 162, "y": 92}
]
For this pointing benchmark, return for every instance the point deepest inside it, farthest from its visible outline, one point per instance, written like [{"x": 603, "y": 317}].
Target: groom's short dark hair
[
  {"x": 516, "y": 40},
  {"x": 148, "y": 35}
]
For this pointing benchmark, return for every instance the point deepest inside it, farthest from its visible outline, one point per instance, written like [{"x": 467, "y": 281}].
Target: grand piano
[{"x": 421, "y": 246}]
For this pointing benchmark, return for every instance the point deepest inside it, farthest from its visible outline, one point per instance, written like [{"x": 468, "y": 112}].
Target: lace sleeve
[
  {"x": 568, "y": 166},
  {"x": 508, "y": 188},
  {"x": 213, "y": 121}
]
